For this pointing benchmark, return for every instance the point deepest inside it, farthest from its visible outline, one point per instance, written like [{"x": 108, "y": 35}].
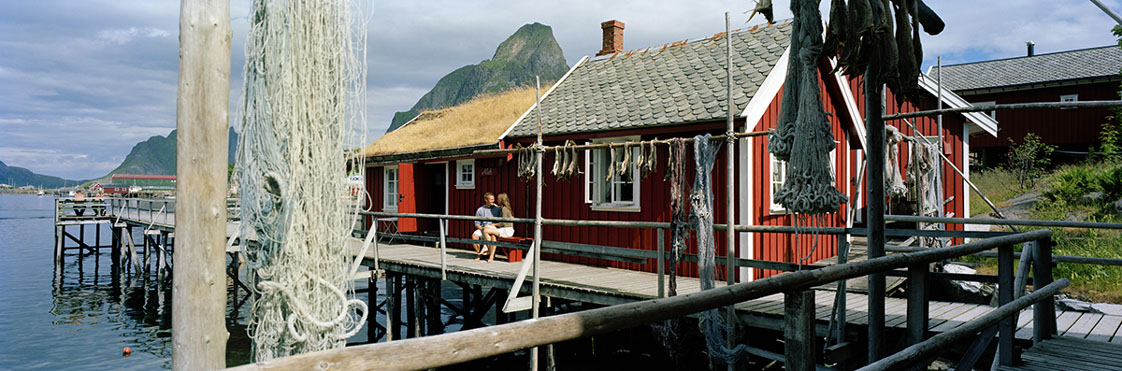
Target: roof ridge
[
  {"x": 686, "y": 41},
  {"x": 1028, "y": 56}
]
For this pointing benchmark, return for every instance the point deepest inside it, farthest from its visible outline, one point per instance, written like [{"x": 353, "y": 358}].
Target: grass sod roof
[{"x": 479, "y": 121}]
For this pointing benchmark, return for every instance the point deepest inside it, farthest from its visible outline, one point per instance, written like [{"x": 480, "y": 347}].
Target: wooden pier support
[
  {"x": 798, "y": 330},
  {"x": 917, "y": 304}
]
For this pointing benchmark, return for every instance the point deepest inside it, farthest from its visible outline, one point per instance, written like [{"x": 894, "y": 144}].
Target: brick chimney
[{"x": 613, "y": 37}]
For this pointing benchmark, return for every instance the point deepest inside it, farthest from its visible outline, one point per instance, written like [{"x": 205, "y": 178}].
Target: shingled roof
[
  {"x": 677, "y": 83},
  {"x": 1101, "y": 63}
]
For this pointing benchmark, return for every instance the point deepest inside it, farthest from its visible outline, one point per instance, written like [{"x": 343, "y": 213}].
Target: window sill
[
  {"x": 389, "y": 209},
  {"x": 774, "y": 211},
  {"x": 465, "y": 186},
  {"x": 616, "y": 208}
]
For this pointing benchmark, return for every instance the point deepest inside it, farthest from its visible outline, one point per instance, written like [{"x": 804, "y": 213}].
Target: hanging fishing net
[
  {"x": 803, "y": 138},
  {"x": 302, "y": 118},
  {"x": 712, "y": 323}
]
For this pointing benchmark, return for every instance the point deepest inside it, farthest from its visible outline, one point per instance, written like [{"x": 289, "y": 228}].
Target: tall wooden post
[
  {"x": 202, "y": 120},
  {"x": 538, "y": 152},
  {"x": 874, "y": 208},
  {"x": 730, "y": 191}
]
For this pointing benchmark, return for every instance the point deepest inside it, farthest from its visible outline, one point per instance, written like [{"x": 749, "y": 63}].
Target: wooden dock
[
  {"x": 1070, "y": 354},
  {"x": 610, "y": 286}
]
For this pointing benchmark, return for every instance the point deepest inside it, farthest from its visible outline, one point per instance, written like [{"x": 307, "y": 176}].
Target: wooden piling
[
  {"x": 798, "y": 330},
  {"x": 917, "y": 304},
  {"x": 202, "y": 120}
]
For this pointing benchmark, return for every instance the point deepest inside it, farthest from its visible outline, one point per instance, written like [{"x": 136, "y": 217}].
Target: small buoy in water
[{"x": 126, "y": 351}]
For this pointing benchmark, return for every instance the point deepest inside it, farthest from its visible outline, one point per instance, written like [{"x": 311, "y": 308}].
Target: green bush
[
  {"x": 1029, "y": 159},
  {"x": 1071, "y": 184}
]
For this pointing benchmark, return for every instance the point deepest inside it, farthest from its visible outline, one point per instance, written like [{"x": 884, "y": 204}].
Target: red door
[{"x": 407, "y": 200}]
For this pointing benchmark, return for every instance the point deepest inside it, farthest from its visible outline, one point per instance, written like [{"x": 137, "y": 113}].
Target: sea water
[{"x": 79, "y": 315}]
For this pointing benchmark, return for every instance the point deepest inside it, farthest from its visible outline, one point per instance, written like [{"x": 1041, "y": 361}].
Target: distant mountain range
[
  {"x": 18, "y": 177},
  {"x": 530, "y": 51},
  {"x": 155, "y": 156}
]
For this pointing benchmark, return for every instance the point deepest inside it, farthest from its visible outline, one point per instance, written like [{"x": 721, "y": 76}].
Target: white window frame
[
  {"x": 595, "y": 179},
  {"x": 775, "y": 182},
  {"x": 389, "y": 199},
  {"x": 461, "y": 183},
  {"x": 1069, "y": 98}
]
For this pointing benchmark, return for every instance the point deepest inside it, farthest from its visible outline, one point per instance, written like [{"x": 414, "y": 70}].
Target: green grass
[
  {"x": 999, "y": 185},
  {"x": 1061, "y": 200}
]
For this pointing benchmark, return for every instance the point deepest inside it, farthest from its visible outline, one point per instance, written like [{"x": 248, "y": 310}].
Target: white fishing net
[{"x": 302, "y": 117}]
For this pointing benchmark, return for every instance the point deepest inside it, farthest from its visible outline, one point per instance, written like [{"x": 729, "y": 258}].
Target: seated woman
[{"x": 503, "y": 229}]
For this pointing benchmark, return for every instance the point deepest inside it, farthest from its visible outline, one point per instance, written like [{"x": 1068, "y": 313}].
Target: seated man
[
  {"x": 482, "y": 226},
  {"x": 79, "y": 210}
]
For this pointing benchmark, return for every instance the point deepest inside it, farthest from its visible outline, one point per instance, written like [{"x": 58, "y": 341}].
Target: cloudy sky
[{"x": 82, "y": 81}]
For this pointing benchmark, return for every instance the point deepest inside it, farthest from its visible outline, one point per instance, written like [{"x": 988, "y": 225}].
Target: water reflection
[{"x": 136, "y": 303}]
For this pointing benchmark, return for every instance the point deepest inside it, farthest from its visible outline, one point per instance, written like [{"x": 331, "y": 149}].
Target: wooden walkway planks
[
  {"x": 613, "y": 286},
  {"x": 1069, "y": 353}
]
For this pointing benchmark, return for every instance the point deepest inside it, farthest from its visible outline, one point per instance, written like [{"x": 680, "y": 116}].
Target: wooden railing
[
  {"x": 157, "y": 210},
  {"x": 71, "y": 209},
  {"x": 453, "y": 348}
]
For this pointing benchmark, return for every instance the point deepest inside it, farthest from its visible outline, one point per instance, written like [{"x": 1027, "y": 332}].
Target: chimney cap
[
  {"x": 611, "y": 23},
  {"x": 613, "y": 37}
]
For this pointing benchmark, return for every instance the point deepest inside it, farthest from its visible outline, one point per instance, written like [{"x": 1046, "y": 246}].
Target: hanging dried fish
[
  {"x": 611, "y": 163},
  {"x": 574, "y": 155},
  {"x": 527, "y": 162},
  {"x": 624, "y": 168},
  {"x": 652, "y": 159},
  {"x": 908, "y": 66},
  {"x": 837, "y": 30},
  {"x": 765, "y": 8},
  {"x": 855, "y": 56},
  {"x": 557, "y": 163}
]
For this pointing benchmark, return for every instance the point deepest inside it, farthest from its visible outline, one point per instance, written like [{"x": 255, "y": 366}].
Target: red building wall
[
  {"x": 797, "y": 248},
  {"x": 953, "y": 145},
  {"x": 1070, "y": 128},
  {"x": 565, "y": 199}
]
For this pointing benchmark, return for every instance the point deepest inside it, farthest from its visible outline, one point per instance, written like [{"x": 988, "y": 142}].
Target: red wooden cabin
[
  {"x": 1074, "y": 75},
  {"x": 673, "y": 90}
]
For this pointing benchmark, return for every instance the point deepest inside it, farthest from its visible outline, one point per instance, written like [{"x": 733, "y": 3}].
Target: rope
[
  {"x": 303, "y": 98},
  {"x": 711, "y": 322}
]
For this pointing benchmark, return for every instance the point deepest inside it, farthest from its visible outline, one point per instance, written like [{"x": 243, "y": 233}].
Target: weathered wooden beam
[
  {"x": 875, "y": 205},
  {"x": 932, "y": 346},
  {"x": 798, "y": 332},
  {"x": 977, "y": 347},
  {"x": 202, "y": 120},
  {"x": 1006, "y": 326},
  {"x": 917, "y": 304},
  {"x": 458, "y": 347},
  {"x": 1002, "y": 107},
  {"x": 1043, "y": 313}
]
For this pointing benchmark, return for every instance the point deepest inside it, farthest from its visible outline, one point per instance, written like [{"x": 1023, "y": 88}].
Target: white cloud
[
  {"x": 105, "y": 72},
  {"x": 123, "y": 36}
]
